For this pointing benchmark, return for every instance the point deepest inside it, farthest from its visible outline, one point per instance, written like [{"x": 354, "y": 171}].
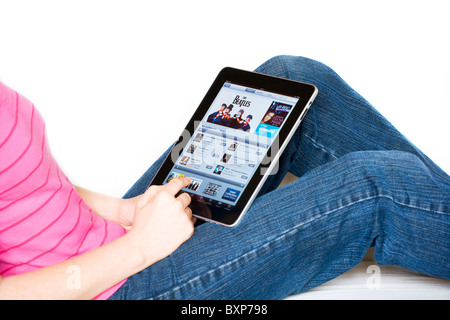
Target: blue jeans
[{"x": 361, "y": 184}]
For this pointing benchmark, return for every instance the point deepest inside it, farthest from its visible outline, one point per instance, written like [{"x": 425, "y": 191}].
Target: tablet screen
[{"x": 229, "y": 143}]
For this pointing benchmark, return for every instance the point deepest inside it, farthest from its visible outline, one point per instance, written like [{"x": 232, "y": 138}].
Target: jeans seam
[
  {"x": 321, "y": 147},
  {"x": 285, "y": 70},
  {"x": 441, "y": 212},
  {"x": 173, "y": 268}
]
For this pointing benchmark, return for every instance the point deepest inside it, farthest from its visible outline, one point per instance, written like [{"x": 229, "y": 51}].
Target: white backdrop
[{"x": 100, "y": 72}]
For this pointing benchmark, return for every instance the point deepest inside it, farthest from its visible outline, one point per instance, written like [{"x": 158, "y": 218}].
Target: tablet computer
[{"x": 233, "y": 141}]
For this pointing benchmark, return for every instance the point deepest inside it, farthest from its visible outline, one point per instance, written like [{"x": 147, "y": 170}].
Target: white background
[{"x": 116, "y": 81}]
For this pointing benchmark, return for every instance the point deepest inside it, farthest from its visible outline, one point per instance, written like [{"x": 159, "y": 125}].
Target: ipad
[{"x": 233, "y": 141}]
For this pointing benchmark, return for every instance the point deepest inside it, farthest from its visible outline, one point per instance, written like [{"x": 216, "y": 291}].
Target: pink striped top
[{"x": 43, "y": 220}]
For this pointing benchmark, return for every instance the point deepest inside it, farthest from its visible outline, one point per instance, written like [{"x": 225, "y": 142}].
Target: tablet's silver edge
[{"x": 271, "y": 167}]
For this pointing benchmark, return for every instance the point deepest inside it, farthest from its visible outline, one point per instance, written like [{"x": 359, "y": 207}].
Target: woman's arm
[
  {"x": 82, "y": 277},
  {"x": 161, "y": 224}
]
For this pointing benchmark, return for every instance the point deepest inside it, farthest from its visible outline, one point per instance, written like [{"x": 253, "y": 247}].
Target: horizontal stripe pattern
[{"x": 43, "y": 220}]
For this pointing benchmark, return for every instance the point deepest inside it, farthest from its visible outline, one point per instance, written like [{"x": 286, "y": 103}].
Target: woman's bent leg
[{"x": 310, "y": 231}]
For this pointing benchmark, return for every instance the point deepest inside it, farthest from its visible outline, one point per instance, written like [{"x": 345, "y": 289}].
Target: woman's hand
[
  {"x": 125, "y": 212},
  {"x": 158, "y": 221},
  {"x": 162, "y": 222}
]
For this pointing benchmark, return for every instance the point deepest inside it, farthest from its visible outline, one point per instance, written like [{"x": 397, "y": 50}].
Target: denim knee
[{"x": 398, "y": 175}]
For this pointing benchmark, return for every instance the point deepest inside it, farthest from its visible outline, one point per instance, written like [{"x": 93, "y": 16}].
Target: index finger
[{"x": 176, "y": 184}]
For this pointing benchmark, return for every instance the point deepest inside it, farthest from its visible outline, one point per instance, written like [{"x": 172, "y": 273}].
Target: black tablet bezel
[{"x": 304, "y": 91}]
